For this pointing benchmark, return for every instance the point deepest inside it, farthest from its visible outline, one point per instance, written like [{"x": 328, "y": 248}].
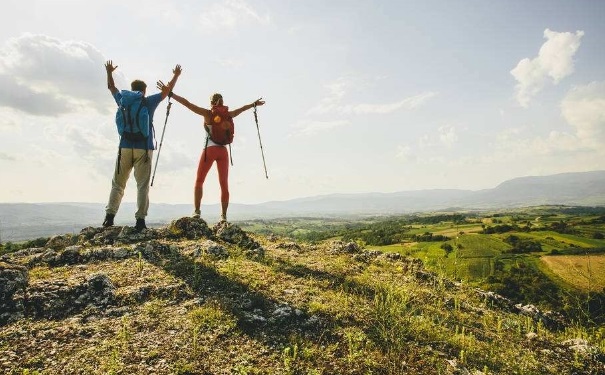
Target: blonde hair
[{"x": 216, "y": 99}]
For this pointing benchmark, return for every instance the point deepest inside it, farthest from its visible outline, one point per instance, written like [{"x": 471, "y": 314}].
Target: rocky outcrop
[
  {"x": 550, "y": 319},
  {"x": 339, "y": 247},
  {"x": 189, "y": 228},
  {"x": 13, "y": 281},
  {"x": 58, "y": 299},
  {"x": 235, "y": 235}
]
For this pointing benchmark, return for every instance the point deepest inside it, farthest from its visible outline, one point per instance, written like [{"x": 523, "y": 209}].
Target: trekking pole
[
  {"x": 161, "y": 140},
  {"x": 259, "y": 141}
]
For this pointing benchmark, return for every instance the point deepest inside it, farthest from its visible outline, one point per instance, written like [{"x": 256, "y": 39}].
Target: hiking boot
[
  {"x": 196, "y": 214},
  {"x": 223, "y": 217},
  {"x": 108, "y": 222},
  {"x": 140, "y": 225}
]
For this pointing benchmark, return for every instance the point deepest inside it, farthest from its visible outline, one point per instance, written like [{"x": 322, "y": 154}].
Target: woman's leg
[
  {"x": 222, "y": 163},
  {"x": 206, "y": 159}
]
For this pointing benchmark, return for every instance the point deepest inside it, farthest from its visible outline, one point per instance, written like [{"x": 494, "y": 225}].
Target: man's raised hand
[
  {"x": 177, "y": 70},
  {"x": 109, "y": 66}
]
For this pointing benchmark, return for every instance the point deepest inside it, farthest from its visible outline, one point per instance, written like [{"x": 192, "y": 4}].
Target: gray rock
[
  {"x": 233, "y": 234},
  {"x": 215, "y": 250},
  {"x": 60, "y": 242},
  {"x": 190, "y": 228},
  {"x": 58, "y": 299},
  {"x": 339, "y": 247},
  {"x": 13, "y": 281}
]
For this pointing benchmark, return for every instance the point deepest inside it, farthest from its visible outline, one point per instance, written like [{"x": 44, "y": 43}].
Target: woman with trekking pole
[{"x": 218, "y": 124}]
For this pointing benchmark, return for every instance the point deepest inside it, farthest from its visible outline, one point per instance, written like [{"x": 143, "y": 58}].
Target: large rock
[
  {"x": 339, "y": 247},
  {"x": 190, "y": 228},
  {"x": 235, "y": 235},
  {"x": 60, "y": 242},
  {"x": 58, "y": 299},
  {"x": 13, "y": 281}
]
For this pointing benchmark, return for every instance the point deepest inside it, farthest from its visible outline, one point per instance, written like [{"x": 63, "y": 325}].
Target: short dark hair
[{"x": 138, "y": 85}]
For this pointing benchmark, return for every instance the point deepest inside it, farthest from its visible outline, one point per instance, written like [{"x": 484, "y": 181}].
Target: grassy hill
[{"x": 189, "y": 299}]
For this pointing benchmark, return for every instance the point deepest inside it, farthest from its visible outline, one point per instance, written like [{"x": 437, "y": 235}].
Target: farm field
[
  {"x": 534, "y": 255},
  {"x": 585, "y": 272}
]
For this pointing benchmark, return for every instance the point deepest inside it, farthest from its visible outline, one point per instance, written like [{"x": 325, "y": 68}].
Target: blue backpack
[{"x": 132, "y": 116}]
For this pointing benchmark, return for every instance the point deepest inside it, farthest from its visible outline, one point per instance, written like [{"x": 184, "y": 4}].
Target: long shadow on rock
[{"x": 258, "y": 315}]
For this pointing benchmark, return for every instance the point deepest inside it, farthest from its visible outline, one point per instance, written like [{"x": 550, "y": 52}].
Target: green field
[{"x": 566, "y": 232}]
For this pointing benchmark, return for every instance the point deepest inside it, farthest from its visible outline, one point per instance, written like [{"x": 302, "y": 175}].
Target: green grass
[{"x": 353, "y": 316}]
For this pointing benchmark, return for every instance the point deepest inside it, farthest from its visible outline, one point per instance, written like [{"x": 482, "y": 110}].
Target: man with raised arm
[{"x": 134, "y": 153}]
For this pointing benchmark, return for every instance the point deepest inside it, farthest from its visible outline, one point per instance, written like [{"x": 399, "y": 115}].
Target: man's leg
[
  {"x": 142, "y": 174},
  {"x": 118, "y": 184}
]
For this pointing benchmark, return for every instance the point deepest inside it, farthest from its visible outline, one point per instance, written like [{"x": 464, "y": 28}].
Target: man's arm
[
  {"x": 176, "y": 73},
  {"x": 246, "y": 107},
  {"x": 167, "y": 91},
  {"x": 110, "y": 84}
]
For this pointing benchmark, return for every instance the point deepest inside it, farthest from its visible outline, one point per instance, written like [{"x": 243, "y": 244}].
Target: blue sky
[{"x": 362, "y": 96}]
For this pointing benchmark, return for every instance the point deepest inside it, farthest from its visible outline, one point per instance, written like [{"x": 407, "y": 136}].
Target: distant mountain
[
  {"x": 19, "y": 221},
  {"x": 582, "y": 189}
]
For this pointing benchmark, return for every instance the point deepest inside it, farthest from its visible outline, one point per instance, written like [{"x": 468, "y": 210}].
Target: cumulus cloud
[
  {"x": 228, "y": 14},
  {"x": 584, "y": 109},
  {"x": 553, "y": 63},
  {"x": 46, "y": 76},
  {"x": 27, "y": 99}
]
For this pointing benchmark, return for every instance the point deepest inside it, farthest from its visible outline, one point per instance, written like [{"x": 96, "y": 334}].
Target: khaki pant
[{"x": 131, "y": 158}]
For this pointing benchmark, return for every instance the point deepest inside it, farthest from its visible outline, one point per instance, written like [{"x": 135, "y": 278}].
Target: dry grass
[{"x": 585, "y": 272}]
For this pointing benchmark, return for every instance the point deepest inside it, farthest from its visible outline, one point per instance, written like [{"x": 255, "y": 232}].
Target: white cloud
[
  {"x": 337, "y": 90},
  {"x": 407, "y": 103},
  {"x": 226, "y": 15},
  {"x": 165, "y": 12},
  {"x": 584, "y": 109},
  {"x": 404, "y": 152},
  {"x": 230, "y": 63},
  {"x": 554, "y": 61},
  {"x": 308, "y": 128},
  {"x": 42, "y": 75},
  {"x": 580, "y": 148},
  {"x": 27, "y": 99},
  {"x": 7, "y": 157},
  {"x": 447, "y": 135}
]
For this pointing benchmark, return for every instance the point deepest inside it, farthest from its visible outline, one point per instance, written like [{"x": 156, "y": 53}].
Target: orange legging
[{"x": 210, "y": 154}]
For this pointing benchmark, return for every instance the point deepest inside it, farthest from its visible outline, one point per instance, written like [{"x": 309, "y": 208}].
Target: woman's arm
[
  {"x": 194, "y": 108},
  {"x": 246, "y": 107}
]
